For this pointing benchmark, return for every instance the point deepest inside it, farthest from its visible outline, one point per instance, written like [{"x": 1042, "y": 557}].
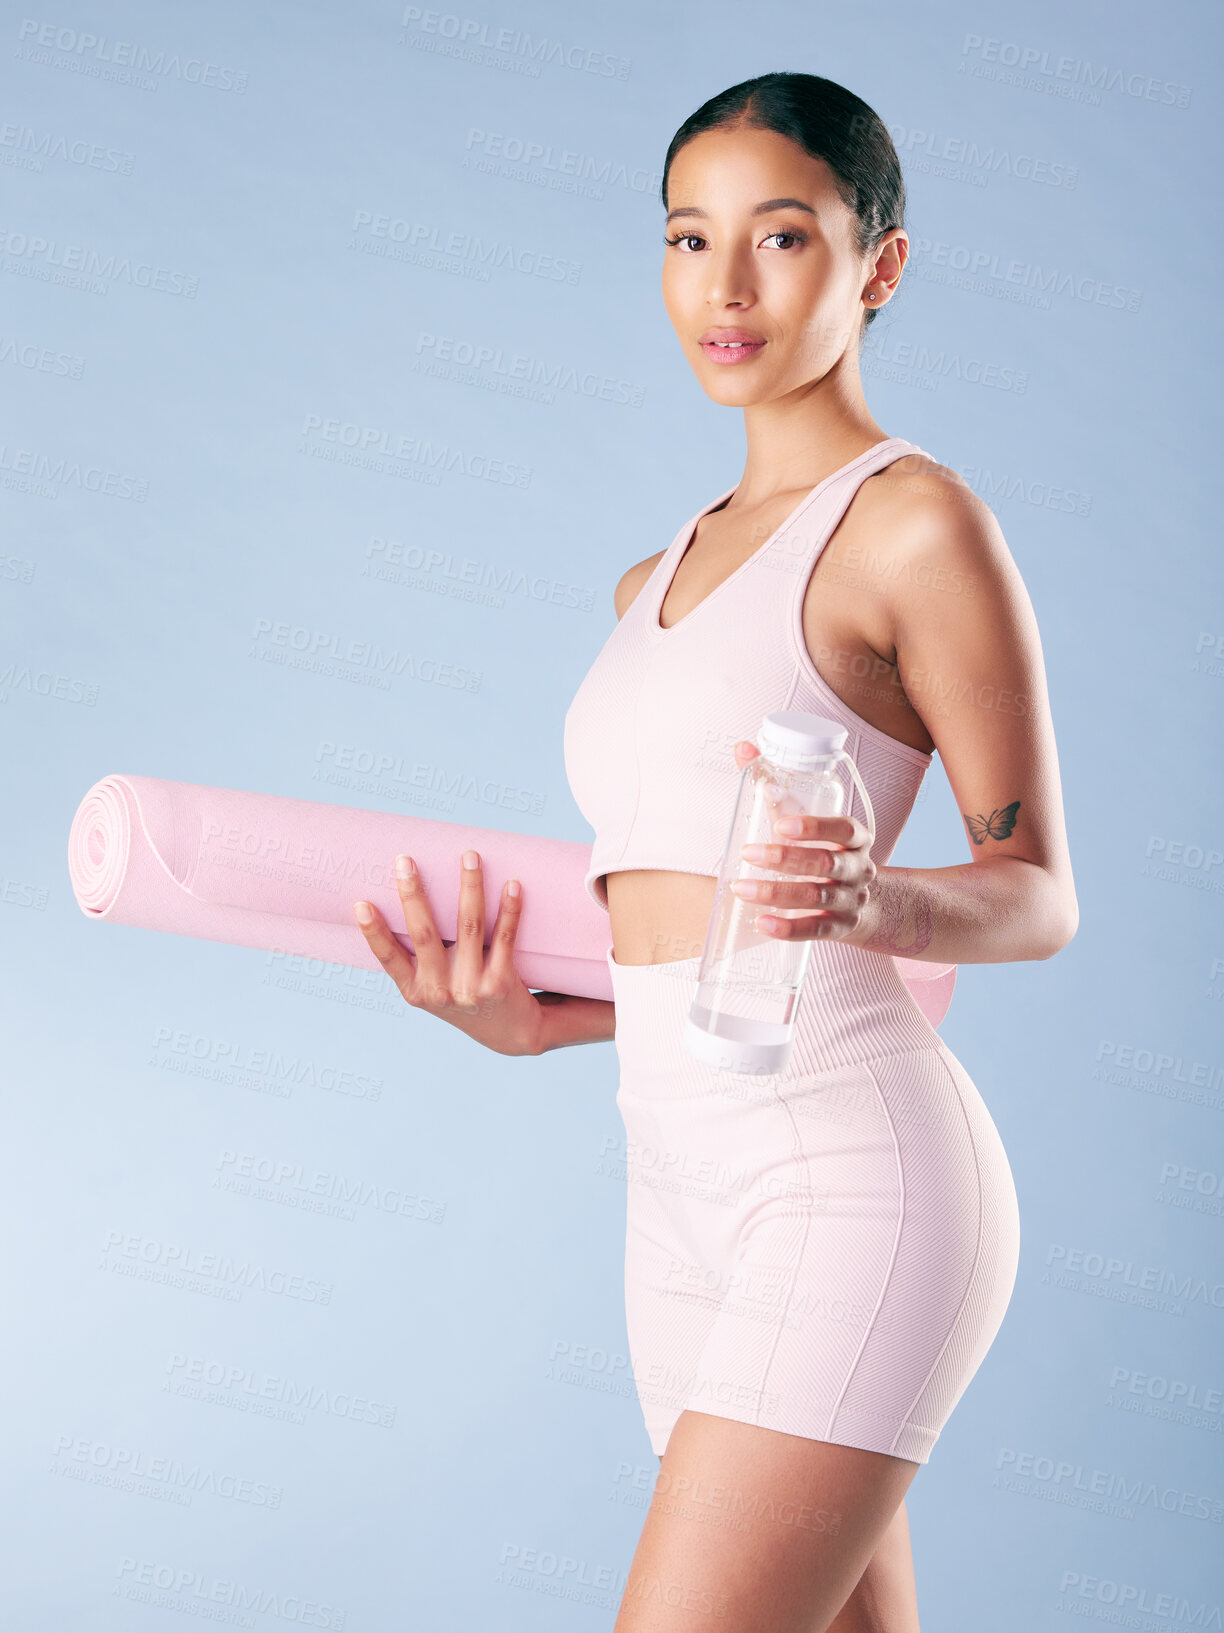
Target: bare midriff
[{"x": 641, "y": 901}]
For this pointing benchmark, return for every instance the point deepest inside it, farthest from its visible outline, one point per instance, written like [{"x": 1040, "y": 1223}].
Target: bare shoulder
[
  {"x": 632, "y": 581},
  {"x": 931, "y": 515}
]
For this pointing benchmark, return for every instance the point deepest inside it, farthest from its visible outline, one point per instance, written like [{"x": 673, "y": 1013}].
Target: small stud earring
[{"x": 871, "y": 297}]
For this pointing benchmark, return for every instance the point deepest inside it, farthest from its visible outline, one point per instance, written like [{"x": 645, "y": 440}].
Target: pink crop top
[{"x": 649, "y": 736}]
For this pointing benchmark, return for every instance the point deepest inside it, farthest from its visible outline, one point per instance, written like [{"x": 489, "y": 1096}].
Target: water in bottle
[{"x": 749, "y": 984}]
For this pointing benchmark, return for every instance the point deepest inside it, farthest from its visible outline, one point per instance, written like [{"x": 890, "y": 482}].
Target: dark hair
[{"x": 830, "y": 123}]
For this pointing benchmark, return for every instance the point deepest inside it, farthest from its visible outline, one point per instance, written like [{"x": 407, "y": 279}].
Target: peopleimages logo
[
  {"x": 564, "y": 162},
  {"x": 988, "y": 272},
  {"x": 125, "y": 1465},
  {"x": 49, "y": 261},
  {"x": 483, "y": 255},
  {"x": 517, "y": 372},
  {"x": 1128, "y": 1598},
  {"x": 1162, "y": 1063},
  {"x": 1131, "y": 1491},
  {"x": 44, "y": 359},
  {"x": 381, "y": 450},
  {"x": 955, "y": 155},
  {"x": 196, "y": 1593},
  {"x": 471, "y": 34},
  {"x": 319, "y": 1190},
  {"x": 937, "y": 363},
  {"x": 209, "y": 1272},
  {"x": 25, "y": 143},
  {"x": 1175, "y": 1392},
  {"x": 1063, "y": 73},
  {"x": 229, "y": 1384},
  {"x": 1127, "y": 1281},
  {"x": 247, "y": 1064},
  {"x": 365, "y": 663},
  {"x": 89, "y": 50},
  {"x": 59, "y": 473}
]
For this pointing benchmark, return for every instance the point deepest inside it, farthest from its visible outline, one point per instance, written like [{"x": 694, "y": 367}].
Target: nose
[{"x": 729, "y": 280}]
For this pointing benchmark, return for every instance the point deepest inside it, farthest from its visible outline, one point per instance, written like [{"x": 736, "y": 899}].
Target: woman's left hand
[{"x": 832, "y": 882}]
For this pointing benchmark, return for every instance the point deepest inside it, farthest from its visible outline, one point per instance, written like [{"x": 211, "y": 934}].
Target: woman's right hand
[{"x": 483, "y": 996}]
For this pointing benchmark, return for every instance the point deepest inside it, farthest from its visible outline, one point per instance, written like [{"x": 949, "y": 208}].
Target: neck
[{"x": 795, "y": 441}]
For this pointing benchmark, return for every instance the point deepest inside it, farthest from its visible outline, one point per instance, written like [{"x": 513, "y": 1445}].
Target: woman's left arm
[{"x": 968, "y": 655}]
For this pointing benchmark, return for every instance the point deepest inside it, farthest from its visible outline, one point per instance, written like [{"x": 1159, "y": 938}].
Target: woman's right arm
[
  {"x": 482, "y": 995},
  {"x": 575, "y": 1020}
]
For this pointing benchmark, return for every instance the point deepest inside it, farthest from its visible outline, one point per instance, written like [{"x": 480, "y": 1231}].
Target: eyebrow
[{"x": 759, "y": 209}]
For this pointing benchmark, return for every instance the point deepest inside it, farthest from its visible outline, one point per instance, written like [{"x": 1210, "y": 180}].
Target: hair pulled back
[{"x": 828, "y": 122}]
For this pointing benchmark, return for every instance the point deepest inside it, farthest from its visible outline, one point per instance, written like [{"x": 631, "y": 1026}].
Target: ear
[{"x": 886, "y": 267}]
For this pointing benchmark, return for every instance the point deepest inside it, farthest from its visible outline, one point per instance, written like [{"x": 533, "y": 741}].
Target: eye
[
  {"x": 787, "y": 232},
  {"x": 685, "y": 238}
]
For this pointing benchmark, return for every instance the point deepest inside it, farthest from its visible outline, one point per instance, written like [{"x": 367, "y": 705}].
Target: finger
[
  {"x": 467, "y": 966},
  {"x": 745, "y": 753},
  {"x": 391, "y": 954},
  {"x": 433, "y": 965},
  {"x": 787, "y": 929},
  {"x": 823, "y": 926},
  {"x": 500, "y": 968},
  {"x": 808, "y": 894},
  {"x": 845, "y": 831},
  {"x": 812, "y": 861}
]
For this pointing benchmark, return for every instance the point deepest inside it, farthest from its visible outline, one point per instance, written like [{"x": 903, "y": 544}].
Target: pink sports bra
[{"x": 650, "y": 734}]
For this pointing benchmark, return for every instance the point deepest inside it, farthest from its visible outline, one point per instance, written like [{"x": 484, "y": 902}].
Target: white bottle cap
[{"x": 793, "y": 738}]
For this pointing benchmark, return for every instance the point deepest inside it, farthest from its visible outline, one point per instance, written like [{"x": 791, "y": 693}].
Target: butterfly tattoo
[{"x": 998, "y": 825}]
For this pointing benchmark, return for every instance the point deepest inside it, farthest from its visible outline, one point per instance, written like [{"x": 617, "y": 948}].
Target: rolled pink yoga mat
[{"x": 262, "y": 870}]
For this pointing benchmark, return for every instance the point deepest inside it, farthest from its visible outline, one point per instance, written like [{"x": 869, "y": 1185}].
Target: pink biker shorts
[{"x": 829, "y": 1250}]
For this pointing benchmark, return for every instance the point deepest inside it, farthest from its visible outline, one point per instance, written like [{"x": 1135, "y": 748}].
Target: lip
[{"x": 738, "y": 345}]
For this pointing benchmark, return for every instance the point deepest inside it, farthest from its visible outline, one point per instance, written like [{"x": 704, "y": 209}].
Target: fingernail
[
  {"x": 753, "y": 853},
  {"x": 403, "y": 866},
  {"x": 513, "y": 887},
  {"x": 364, "y": 912},
  {"x": 745, "y": 888},
  {"x": 790, "y": 825},
  {"x": 470, "y": 859}
]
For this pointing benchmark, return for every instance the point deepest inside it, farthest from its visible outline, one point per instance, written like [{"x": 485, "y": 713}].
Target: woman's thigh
[
  {"x": 757, "y": 1531},
  {"x": 885, "y": 1597}
]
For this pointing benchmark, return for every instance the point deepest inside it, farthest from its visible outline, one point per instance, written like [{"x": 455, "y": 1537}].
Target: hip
[
  {"x": 871, "y": 1103},
  {"x": 854, "y": 1007}
]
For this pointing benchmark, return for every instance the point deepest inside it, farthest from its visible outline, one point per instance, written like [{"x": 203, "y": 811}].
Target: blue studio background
[{"x": 388, "y": 1422}]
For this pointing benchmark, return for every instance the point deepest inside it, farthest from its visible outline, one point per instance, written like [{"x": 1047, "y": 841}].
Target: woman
[{"x": 817, "y": 1260}]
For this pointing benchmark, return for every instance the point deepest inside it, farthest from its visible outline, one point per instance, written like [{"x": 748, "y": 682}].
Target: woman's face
[{"x": 787, "y": 279}]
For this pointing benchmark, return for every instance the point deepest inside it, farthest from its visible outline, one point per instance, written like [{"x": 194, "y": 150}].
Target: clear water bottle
[{"x": 742, "y": 1018}]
